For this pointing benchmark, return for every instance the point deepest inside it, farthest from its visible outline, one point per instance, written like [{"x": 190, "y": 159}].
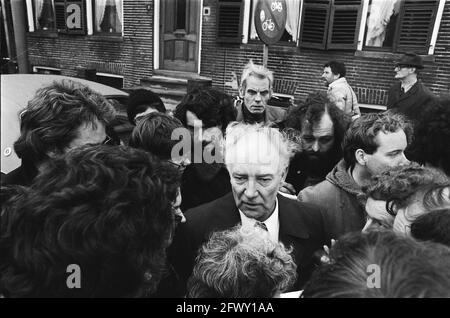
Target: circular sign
[{"x": 270, "y": 20}]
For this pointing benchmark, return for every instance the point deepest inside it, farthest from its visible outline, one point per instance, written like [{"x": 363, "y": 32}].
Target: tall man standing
[
  {"x": 339, "y": 91},
  {"x": 409, "y": 95}
]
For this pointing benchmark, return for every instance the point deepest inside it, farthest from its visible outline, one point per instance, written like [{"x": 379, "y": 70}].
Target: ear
[
  {"x": 241, "y": 92},
  {"x": 284, "y": 173},
  {"x": 270, "y": 92},
  {"x": 361, "y": 157}
]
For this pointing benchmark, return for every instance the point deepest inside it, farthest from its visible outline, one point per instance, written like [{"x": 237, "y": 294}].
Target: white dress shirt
[{"x": 272, "y": 223}]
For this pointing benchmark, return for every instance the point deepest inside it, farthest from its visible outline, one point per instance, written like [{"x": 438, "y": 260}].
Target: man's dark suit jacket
[
  {"x": 301, "y": 226},
  {"x": 413, "y": 102}
]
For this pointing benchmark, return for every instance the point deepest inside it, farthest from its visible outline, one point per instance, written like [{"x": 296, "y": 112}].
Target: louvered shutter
[
  {"x": 345, "y": 19},
  {"x": 60, "y": 15},
  {"x": 229, "y": 21},
  {"x": 315, "y": 17},
  {"x": 416, "y": 25}
]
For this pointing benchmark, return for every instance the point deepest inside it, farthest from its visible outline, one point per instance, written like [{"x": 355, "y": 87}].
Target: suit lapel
[{"x": 291, "y": 224}]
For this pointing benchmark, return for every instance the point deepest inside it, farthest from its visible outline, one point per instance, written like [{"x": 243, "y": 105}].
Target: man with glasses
[
  {"x": 409, "y": 95},
  {"x": 61, "y": 116}
]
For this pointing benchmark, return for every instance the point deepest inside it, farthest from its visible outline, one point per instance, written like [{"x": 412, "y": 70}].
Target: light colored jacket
[{"x": 343, "y": 95}]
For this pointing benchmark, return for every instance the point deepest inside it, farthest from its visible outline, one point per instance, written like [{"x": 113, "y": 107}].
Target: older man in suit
[{"x": 257, "y": 159}]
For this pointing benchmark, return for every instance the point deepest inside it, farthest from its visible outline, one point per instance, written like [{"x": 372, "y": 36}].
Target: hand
[
  {"x": 325, "y": 259},
  {"x": 287, "y": 188}
]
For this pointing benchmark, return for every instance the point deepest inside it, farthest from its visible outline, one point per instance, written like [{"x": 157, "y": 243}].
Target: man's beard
[{"x": 319, "y": 164}]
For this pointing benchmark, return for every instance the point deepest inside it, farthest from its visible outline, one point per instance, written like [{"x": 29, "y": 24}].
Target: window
[
  {"x": 46, "y": 70},
  {"x": 62, "y": 16},
  {"x": 290, "y": 35},
  {"x": 110, "y": 79},
  {"x": 108, "y": 16},
  {"x": 44, "y": 13},
  {"x": 400, "y": 25}
]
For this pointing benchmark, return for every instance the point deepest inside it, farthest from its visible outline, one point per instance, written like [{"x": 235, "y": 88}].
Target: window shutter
[
  {"x": 229, "y": 21},
  {"x": 345, "y": 20},
  {"x": 315, "y": 17},
  {"x": 60, "y": 15},
  {"x": 416, "y": 25}
]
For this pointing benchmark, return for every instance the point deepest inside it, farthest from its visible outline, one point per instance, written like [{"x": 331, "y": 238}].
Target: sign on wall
[
  {"x": 270, "y": 20},
  {"x": 70, "y": 16}
]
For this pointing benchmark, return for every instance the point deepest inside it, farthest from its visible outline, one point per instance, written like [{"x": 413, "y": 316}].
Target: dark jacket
[
  {"x": 22, "y": 175},
  {"x": 342, "y": 200},
  {"x": 301, "y": 226},
  {"x": 412, "y": 103},
  {"x": 202, "y": 183}
]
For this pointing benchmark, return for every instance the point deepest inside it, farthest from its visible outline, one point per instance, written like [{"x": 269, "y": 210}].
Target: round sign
[{"x": 270, "y": 20}]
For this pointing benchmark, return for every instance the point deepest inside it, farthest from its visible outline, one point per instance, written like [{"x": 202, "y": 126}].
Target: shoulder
[
  {"x": 213, "y": 210},
  {"x": 317, "y": 192}
]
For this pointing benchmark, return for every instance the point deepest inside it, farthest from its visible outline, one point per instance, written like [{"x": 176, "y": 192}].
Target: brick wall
[
  {"x": 130, "y": 56},
  {"x": 297, "y": 71},
  {"x": 370, "y": 77}
]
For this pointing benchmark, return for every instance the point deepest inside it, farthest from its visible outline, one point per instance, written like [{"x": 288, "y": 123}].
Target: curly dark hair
[
  {"x": 433, "y": 227},
  {"x": 51, "y": 119},
  {"x": 242, "y": 262},
  {"x": 153, "y": 133},
  {"x": 338, "y": 68},
  {"x": 213, "y": 107},
  {"x": 140, "y": 100},
  {"x": 362, "y": 133},
  {"x": 431, "y": 142},
  {"x": 311, "y": 111},
  {"x": 106, "y": 209},
  {"x": 401, "y": 183},
  {"x": 406, "y": 268}
]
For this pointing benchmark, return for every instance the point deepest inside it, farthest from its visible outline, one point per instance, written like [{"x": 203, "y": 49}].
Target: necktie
[{"x": 261, "y": 225}]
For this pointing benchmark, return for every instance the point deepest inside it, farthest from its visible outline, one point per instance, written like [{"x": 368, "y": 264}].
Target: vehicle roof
[{"x": 16, "y": 91}]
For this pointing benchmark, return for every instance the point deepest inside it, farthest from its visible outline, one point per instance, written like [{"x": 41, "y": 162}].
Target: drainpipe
[{"x": 20, "y": 22}]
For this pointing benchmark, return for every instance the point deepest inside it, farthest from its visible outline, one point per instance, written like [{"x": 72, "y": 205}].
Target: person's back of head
[
  {"x": 140, "y": 100},
  {"x": 242, "y": 262},
  {"x": 433, "y": 226},
  {"x": 104, "y": 210},
  {"x": 212, "y": 106},
  {"x": 431, "y": 142},
  {"x": 153, "y": 133},
  {"x": 381, "y": 264},
  {"x": 51, "y": 120}
]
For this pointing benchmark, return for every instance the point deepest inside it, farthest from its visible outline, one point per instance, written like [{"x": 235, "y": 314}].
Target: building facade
[{"x": 129, "y": 43}]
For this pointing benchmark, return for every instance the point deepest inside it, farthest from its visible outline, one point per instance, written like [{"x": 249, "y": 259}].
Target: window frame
[
  {"x": 360, "y": 32},
  {"x": 94, "y": 26},
  {"x": 34, "y": 19}
]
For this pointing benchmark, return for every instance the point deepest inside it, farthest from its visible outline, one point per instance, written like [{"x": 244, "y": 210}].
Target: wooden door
[{"x": 179, "y": 36}]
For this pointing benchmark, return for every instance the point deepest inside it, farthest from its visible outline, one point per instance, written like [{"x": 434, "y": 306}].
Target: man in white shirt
[
  {"x": 257, "y": 158},
  {"x": 339, "y": 91}
]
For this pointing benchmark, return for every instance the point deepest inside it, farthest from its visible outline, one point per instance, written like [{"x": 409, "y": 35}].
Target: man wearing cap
[{"x": 409, "y": 95}]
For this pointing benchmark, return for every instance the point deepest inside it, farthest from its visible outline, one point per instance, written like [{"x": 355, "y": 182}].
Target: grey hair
[
  {"x": 279, "y": 140},
  {"x": 242, "y": 262},
  {"x": 258, "y": 71}
]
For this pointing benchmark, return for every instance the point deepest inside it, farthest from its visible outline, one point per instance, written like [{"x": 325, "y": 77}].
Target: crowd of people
[{"x": 231, "y": 198}]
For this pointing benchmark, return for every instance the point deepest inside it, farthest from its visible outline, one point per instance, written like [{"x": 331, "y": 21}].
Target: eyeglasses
[
  {"x": 180, "y": 166},
  {"x": 390, "y": 204},
  {"x": 108, "y": 141}
]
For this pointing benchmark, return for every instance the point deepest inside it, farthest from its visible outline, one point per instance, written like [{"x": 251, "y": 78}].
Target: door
[{"x": 179, "y": 36}]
